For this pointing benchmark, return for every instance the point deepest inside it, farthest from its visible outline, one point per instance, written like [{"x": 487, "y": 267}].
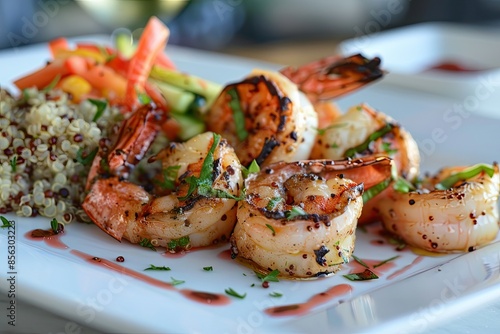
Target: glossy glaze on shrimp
[
  {"x": 265, "y": 118},
  {"x": 363, "y": 132},
  {"x": 300, "y": 217},
  {"x": 458, "y": 218},
  {"x": 181, "y": 215}
]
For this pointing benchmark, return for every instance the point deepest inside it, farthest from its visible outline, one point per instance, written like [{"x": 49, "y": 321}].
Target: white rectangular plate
[
  {"x": 109, "y": 301},
  {"x": 409, "y": 52}
]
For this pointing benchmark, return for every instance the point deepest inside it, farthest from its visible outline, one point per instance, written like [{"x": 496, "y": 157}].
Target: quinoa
[{"x": 43, "y": 139}]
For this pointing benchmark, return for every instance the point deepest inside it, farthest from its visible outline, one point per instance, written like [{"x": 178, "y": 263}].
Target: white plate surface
[{"x": 60, "y": 282}]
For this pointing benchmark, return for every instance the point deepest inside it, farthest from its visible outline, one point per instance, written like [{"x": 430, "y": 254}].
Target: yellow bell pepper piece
[{"x": 75, "y": 85}]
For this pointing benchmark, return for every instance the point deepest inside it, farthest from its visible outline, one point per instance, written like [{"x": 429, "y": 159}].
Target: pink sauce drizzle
[
  {"x": 377, "y": 243},
  {"x": 417, "y": 260},
  {"x": 225, "y": 255},
  {"x": 303, "y": 308},
  {"x": 206, "y": 298},
  {"x": 122, "y": 270},
  {"x": 174, "y": 255},
  {"x": 51, "y": 240}
]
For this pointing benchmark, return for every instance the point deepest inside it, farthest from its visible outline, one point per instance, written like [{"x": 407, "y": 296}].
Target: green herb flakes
[
  {"x": 85, "y": 159},
  {"x": 271, "y": 277},
  {"x": 153, "y": 267},
  {"x": 5, "y": 222},
  {"x": 366, "y": 275},
  {"x": 176, "y": 281},
  {"x": 147, "y": 243},
  {"x": 233, "y": 293},
  {"x": 100, "y": 106}
]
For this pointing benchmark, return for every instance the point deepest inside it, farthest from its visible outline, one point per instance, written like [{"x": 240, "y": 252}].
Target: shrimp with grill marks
[
  {"x": 199, "y": 187},
  {"x": 300, "y": 217}
]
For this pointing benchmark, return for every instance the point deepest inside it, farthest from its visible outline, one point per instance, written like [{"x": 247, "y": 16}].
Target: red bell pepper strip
[{"x": 58, "y": 44}]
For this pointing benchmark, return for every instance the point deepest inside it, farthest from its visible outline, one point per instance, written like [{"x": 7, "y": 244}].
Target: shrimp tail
[
  {"x": 106, "y": 185},
  {"x": 334, "y": 76},
  {"x": 136, "y": 135}
]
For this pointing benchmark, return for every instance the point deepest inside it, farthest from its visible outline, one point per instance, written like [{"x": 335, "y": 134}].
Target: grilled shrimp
[
  {"x": 300, "y": 217},
  {"x": 201, "y": 181},
  {"x": 269, "y": 117},
  {"x": 265, "y": 118},
  {"x": 454, "y": 211},
  {"x": 363, "y": 131}
]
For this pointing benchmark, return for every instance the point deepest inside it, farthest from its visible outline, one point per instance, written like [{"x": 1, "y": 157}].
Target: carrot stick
[
  {"x": 164, "y": 61},
  {"x": 151, "y": 43},
  {"x": 43, "y": 76}
]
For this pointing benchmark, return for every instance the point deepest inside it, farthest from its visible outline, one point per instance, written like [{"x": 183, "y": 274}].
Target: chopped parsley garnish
[
  {"x": 56, "y": 226},
  {"x": 5, "y": 222},
  {"x": 208, "y": 268},
  {"x": 143, "y": 98},
  {"x": 400, "y": 244},
  {"x": 369, "y": 193},
  {"x": 402, "y": 185},
  {"x": 350, "y": 153},
  {"x": 176, "y": 281},
  {"x": 276, "y": 294},
  {"x": 13, "y": 164},
  {"x": 271, "y": 228},
  {"x": 366, "y": 275},
  {"x": 296, "y": 211},
  {"x": 153, "y": 267},
  {"x": 381, "y": 263},
  {"x": 233, "y": 293},
  {"x": 52, "y": 84},
  {"x": 100, "y": 106},
  {"x": 252, "y": 168},
  {"x": 358, "y": 260},
  {"x": 169, "y": 177},
  {"x": 203, "y": 183},
  {"x": 273, "y": 202},
  {"x": 147, "y": 243},
  {"x": 386, "y": 147},
  {"x": 465, "y": 174},
  {"x": 26, "y": 96},
  {"x": 180, "y": 243},
  {"x": 238, "y": 114},
  {"x": 85, "y": 159},
  {"x": 271, "y": 277}
]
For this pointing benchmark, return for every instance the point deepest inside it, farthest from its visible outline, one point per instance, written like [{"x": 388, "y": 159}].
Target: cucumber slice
[{"x": 190, "y": 126}]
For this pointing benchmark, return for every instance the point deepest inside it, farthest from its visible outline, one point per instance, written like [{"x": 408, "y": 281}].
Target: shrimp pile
[{"x": 298, "y": 213}]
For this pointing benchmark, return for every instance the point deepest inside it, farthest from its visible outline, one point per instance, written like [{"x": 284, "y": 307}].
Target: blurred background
[{"x": 276, "y": 31}]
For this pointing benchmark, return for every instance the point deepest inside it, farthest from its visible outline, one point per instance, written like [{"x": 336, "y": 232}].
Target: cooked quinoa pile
[{"x": 46, "y": 147}]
